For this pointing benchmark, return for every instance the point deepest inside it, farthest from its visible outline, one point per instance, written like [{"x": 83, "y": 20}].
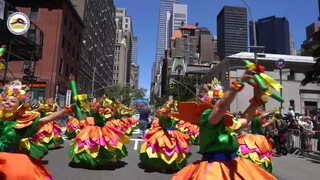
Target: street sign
[
  {"x": 280, "y": 63},
  {"x": 68, "y": 97}
]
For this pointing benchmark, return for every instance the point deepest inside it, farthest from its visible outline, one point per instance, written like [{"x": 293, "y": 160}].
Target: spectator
[
  {"x": 291, "y": 111},
  {"x": 143, "y": 119},
  {"x": 278, "y": 132},
  {"x": 307, "y": 132},
  {"x": 291, "y": 126}
]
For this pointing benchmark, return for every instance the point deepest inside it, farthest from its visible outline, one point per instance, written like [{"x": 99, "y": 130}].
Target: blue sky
[{"x": 144, "y": 13}]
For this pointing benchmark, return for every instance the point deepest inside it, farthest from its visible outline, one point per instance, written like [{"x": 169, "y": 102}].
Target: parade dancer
[
  {"x": 255, "y": 146},
  {"x": 165, "y": 148},
  {"x": 218, "y": 141},
  {"x": 50, "y": 134},
  {"x": 15, "y": 125},
  {"x": 97, "y": 144}
]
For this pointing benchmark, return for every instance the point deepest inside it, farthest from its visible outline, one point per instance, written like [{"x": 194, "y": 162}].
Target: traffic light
[{"x": 227, "y": 75}]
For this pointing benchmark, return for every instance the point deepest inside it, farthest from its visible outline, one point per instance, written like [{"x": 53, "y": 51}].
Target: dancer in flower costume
[
  {"x": 78, "y": 121},
  {"x": 165, "y": 148},
  {"x": 255, "y": 146},
  {"x": 96, "y": 145},
  {"x": 50, "y": 134},
  {"x": 123, "y": 118},
  {"x": 191, "y": 129},
  {"x": 15, "y": 125},
  {"x": 218, "y": 141}
]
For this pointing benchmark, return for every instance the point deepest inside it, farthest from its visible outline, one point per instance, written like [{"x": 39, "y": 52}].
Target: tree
[
  {"x": 313, "y": 75},
  {"x": 179, "y": 91},
  {"x": 125, "y": 94}
]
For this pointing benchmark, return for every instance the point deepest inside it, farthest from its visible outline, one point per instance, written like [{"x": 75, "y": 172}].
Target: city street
[{"x": 285, "y": 168}]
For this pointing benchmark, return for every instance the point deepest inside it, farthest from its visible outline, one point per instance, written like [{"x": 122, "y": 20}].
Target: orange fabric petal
[
  {"x": 26, "y": 120},
  {"x": 237, "y": 169},
  {"x": 28, "y": 168},
  {"x": 191, "y": 111},
  {"x": 250, "y": 141}
]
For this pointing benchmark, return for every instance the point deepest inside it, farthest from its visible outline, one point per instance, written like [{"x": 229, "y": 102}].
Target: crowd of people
[{"x": 233, "y": 146}]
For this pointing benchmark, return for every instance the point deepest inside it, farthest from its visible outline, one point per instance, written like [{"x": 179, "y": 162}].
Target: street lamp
[
  {"x": 94, "y": 72},
  {"x": 254, "y": 47}
]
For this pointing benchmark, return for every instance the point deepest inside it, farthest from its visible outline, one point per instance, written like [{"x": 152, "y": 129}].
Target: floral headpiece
[
  {"x": 16, "y": 89},
  {"x": 214, "y": 91}
]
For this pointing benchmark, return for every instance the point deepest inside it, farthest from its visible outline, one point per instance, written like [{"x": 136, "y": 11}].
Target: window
[
  {"x": 68, "y": 47},
  {"x": 77, "y": 56},
  {"x": 65, "y": 20},
  {"x": 66, "y": 70},
  {"x": 61, "y": 66},
  {"x": 79, "y": 38},
  {"x": 126, "y": 26},
  {"x": 34, "y": 13},
  {"x": 70, "y": 25},
  {"x": 75, "y": 32},
  {"x": 127, "y": 20},
  {"x": 73, "y": 51},
  {"x": 32, "y": 35},
  {"x": 62, "y": 42}
]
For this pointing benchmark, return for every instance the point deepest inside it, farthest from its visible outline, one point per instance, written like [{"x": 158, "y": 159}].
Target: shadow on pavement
[
  {"x": 56, "y": 148},
  {"x": 109, "y": 166},
  {"x": 148, "y": 169},
  {"x": 45, "y": 162}
]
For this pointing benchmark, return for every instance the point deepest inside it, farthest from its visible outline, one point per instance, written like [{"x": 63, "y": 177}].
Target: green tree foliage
[
  {"x": 179, "y": 90},
  {"x": 125, "y": 94},
  {"x": 313, "y": 75}
]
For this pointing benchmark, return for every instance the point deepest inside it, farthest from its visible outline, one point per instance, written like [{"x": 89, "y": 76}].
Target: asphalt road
[{"x": 285, "y": 168}]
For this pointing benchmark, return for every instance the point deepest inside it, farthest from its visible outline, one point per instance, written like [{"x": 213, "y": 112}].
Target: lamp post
[
  {"x": 94, "y": 72},
  {"x": 254, "y": 47}
]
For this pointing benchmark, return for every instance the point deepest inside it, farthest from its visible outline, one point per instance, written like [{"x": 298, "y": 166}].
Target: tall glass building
[
  {"x": 232, "y": 31},
  {"x": 273, "y": 33},
  {"x": 165, "y": 5}
]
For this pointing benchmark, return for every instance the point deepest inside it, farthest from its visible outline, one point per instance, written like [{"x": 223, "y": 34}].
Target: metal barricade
[{"x": 295, "y": 136}]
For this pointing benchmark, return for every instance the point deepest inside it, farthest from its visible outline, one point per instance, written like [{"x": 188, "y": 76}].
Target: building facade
[
  {"x": 134, "y": 56},
  {"x": 165, "y": 6},
  {"x": 312, "y": 35},
  {"x": 273, "y": 33},
  {"x": 62, "y": 44},
  {"x": 178, "y": 17},
  {"x": 98, "y": 44},
  {"x": 123, "y": 48},
  {"x": 134, "y": 77},
  {"x": 193, "y": 43},
  {"x": 304, "y": 99},
  {"x": 232, "y": 30}
]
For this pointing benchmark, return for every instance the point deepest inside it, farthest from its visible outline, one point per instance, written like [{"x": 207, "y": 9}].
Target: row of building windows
[
  {"x": 75, "y": 33},
  {"x": 69, "y": 48}
]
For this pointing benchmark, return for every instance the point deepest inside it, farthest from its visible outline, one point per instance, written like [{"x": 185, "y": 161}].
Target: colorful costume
[
  {"x": 255, "y": 147},
  {"x": 191, "y": 129},
  {"x": 12, "y": 130},
  {"x": 218, "y": 145},
  {"x": 50, "y": 134},
  {"x": 165, "y": 147},
  {"x": 97, "y": 144}
]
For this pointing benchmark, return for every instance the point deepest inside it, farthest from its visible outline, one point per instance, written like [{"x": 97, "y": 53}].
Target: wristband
[{"x": 237, "y": 85}]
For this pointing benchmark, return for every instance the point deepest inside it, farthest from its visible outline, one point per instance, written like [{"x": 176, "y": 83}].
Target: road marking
[
  {"x": 137, "y": 131},
  {"x": 136, "y": 142}
]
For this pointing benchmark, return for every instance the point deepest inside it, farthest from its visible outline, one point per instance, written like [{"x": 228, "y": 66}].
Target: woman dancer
[
  {"x": 255, "y": 146},
  {"x": 97, "y": 144},
  {"x": 165, "y": 148},
  {"x": 50, "y": 134},
  {"x": 218, "y": 142},
  {"x": 15, "y": 125}
]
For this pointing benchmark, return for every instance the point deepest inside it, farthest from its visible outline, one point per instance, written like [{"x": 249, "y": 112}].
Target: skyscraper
[
  {"x": 232, "y": 31},
  {"x": 134, "y": 57},
  {"x": 165, "y": 5},
  {"x": 123, "y": 48},
  {"x": 273, "y": 33},
  {"x": 178, "y": 17}
]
